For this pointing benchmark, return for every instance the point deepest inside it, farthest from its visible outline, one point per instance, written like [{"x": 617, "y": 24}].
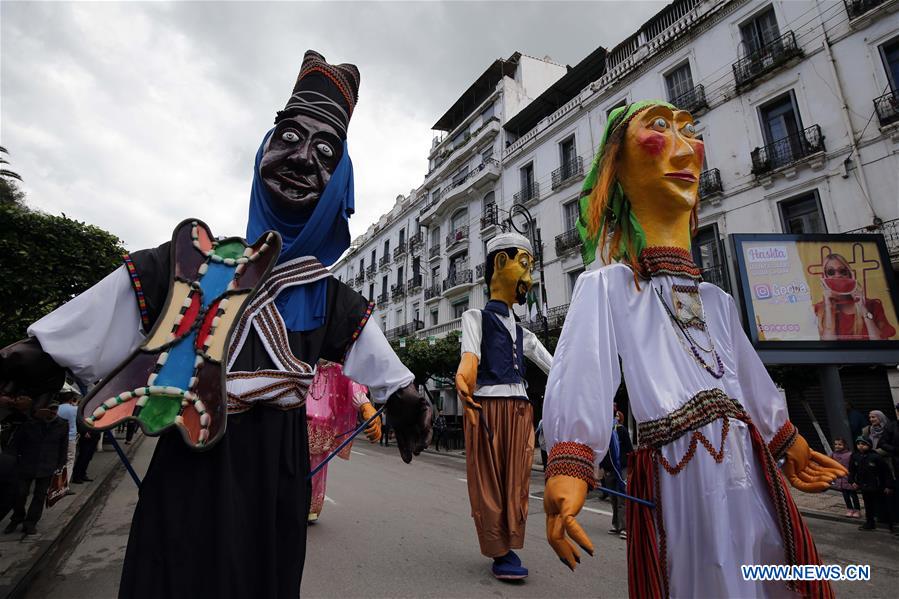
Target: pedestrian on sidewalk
[
  {"x": 842, "y": 455},
  {"x": 870, "y": 475},
  {"x": 614, "y": 465},
  {"x": 41, "y": 447},
  {"x": 440, "y": 431},
  {"x": 68, "y": 411},
  {"x": 130, "y": 429},
  {"x": 883, "y": 435},
  {"x": 87, "y": 445}
]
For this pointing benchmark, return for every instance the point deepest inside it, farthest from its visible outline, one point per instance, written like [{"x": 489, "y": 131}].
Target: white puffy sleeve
[
  {"x": 535, "y": 351},
  {"x": 372, "y": 362},
  {"x": 758, "y": 393},
  {"x": 93, "y": 332},
  {"x": 471, "y": 333},
  {"x": 585, "y": 374}
]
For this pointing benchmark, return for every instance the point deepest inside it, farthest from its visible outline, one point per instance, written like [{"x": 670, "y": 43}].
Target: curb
[{"x": 19, "y": 587}]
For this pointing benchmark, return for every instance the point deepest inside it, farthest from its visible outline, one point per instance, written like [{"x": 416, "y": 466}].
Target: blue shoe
[{"x": 508, "y": 567}]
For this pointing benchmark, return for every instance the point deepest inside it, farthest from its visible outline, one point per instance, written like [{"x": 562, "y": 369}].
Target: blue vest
[{"x": 502, "y": 362}]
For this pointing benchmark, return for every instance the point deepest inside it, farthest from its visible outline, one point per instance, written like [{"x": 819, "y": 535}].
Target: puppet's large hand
[
  {"x": 563, "y": 499},
  {"x": 410, "y": 416},
  {"x": 808, "y": 470},
  {"x": 466, "y": 378},
  {"x": 373, "y": 432}
]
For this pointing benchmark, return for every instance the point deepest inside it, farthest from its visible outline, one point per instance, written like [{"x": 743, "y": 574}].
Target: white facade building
[{"x": 797, "y": 103}]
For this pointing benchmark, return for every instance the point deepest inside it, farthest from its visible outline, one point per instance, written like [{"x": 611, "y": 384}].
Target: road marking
[
  {"x": 585, "y": 508},
  {"x": 462, "y": 480},
  {"x": 329, "y": 500},
  {"x": 357, "y": 452}
]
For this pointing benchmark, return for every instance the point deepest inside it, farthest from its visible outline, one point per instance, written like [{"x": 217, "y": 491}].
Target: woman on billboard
[{"x": 845, "y": 313}]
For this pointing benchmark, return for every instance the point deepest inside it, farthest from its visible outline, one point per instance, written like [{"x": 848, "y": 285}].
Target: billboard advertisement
[{"x": 818, "y": 291}]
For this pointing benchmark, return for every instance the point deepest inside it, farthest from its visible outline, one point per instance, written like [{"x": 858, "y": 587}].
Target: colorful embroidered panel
[{"x": 177, "y": 376}]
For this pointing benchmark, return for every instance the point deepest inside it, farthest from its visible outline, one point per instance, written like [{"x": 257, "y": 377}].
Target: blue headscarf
[{"x": 324, "y": 234}]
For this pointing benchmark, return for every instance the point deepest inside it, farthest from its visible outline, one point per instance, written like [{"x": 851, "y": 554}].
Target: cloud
[{"x": 134, "y": 116}]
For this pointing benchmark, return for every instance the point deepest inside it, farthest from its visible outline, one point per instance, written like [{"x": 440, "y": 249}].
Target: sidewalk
[
  {"x": 21, "y": 557},
  {"x": 827, "y": 505}
]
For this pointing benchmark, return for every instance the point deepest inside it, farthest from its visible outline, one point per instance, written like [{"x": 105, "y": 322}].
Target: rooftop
[{"x": 478, "y": 92}]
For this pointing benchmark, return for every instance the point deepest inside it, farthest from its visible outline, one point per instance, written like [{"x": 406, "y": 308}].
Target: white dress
[{"x": 717, "y": 516}]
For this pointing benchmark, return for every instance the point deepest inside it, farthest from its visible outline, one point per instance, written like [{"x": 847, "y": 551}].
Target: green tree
[
  {"x": 9, "y": 190},
  {"x": 46, "y": 261}
]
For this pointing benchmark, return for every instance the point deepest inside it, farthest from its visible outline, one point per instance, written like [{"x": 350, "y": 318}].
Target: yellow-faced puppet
[{"x": 508, "y": 268}]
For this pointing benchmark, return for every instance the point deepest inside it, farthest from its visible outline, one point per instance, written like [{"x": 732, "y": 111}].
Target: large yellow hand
[
  {"x": 373, "y": 431},
  {"x": 808, "y": 470},
  {"x": 562, "y": 501},
  {"x": 466, "y": 378}
]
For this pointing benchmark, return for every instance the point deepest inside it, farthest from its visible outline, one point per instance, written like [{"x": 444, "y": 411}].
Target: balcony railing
[
  {"x": 890, "y": 231},
  {"x": 414, "y": 284},
  {"x": 434, "y": 252},
  {"x": 382, "y": 299},
  {"x": 383, "y": 262},
  {"x": 692, "y": 100},
  {"x": 370, "y": 271},
  {"x": 765, "y": 59},
  {"x": 709, "y": 183},
  {"x": 415, "y": 242},
  {"x": 856, "y": 8},
  {"x": 454, "y": 237},
  {"x": 567, "y": 241},
  {"x": 456, "y": 278},
  {"x": 399, "y": 251},
  {"x": 530, "y": 191},
  {"x": 360, "y": 278},
  {"x": 717, "y": 275},
  {"x": 787, "y": 150},
  {"x": 432, "y": 291},
  {"x": 479, "y": 271},
  {"x": 490, "y": 216},
  {"x": 555, "y": 318},
  {"x": 405, "y": 330},
  {"x": 887, "y": 107},
  {"x": 398, "y": 291},
  {"x": 569, "y": 171}
]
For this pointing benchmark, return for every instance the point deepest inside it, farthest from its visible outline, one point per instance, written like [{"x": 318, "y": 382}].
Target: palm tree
[
  {"x": 6, "y": 173},
  {"x": 9, "y": 191}
]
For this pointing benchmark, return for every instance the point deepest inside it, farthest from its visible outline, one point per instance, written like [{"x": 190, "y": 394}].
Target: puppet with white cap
[{"x": 499, "y": 426}]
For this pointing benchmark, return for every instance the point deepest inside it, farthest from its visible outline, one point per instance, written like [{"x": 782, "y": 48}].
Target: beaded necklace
[{"x": 694, "y": 347}]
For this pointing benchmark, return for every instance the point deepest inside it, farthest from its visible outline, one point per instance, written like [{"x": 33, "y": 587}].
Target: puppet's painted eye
[
  {"x": 689, "y": 130},
  {"x": 290, "y": 137},
  {"x": 660, "y": 123},
  {"x": 325, "y": 149}
]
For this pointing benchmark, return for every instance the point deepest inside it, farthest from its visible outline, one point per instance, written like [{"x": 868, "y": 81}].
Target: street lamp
[{"x": 533, "y": 233}]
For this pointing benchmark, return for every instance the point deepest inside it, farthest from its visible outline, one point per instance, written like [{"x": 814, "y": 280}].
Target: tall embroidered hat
[{"x": 324, "y": 91}]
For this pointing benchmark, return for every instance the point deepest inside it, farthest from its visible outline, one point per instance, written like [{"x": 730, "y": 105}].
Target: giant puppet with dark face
[
  {"x": 716, "y": 442},
  {"x": 216, "y": 332}
]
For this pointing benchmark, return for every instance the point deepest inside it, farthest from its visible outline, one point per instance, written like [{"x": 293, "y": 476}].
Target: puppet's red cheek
[{"x": 652, "y": 142}]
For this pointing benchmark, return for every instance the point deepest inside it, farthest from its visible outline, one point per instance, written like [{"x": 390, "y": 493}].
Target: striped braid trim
[
  {"x": 571, "y": 459},
  {"x": 673, "y": 261},
  {"x": 783, "y": 440},
  {"x": 362, "y": 322},
  {"x": 701, "y": 409},
  {"x": 138, "y": 291}
]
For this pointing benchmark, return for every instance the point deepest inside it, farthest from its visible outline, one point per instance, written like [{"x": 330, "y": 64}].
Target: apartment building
[{"x": 797, "y": 103}]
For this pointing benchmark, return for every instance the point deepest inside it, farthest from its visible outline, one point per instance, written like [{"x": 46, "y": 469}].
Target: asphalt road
[{"x": 394, "y": 530}]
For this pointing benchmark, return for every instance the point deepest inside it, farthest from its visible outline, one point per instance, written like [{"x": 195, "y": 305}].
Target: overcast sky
[{"x": 133, "y": 116}]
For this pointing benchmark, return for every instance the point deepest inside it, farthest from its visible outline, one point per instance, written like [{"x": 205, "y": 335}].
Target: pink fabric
[{"x": 331, "y": 407}]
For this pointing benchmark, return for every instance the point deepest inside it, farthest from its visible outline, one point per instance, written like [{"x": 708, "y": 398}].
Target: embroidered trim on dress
[
  {"x": 673, "y": 261},
  {"x": 359, "y": 327},
  {"x": 571, "y": 459},
  {"x": 703, "y": 408},
  {"x": 783, "y": 440},
  {"x": 138, "y": 291}
]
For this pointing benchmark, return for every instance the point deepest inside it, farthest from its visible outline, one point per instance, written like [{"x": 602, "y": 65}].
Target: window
[
  {"x": 618, "y": 104},
  {"x": 567, "y": 154},
  {"x": 435, "y": 236},
  {"x": 417, "y": 311},
  {"x": 781, "y": 126},
  {"x": 572, "y": 280},
  {"x": 802, "y": 215},
  {"x": 361, "y": 265},
  {"x": 760, "y": 30},
  {"x": 416, "y": 267},
  {"x": 890, "y": 54},
  {"x": 679, "y": 82},
  {"x": 434, "y": 319},
  {"x": 458, "y": 262},
  {"x": 527, "y": 181},
  {"x": 571, "y": 211},
  {"x": 487, "y": 154},
  {"x": 402, "y": 236},
  {"x": 373, "y": 257},
  {"x": 384, "y": 285},
  {"x": 371, "y": 292},
  {"x": 459, "y": 309},
  {"x": 460, "y": 219},
  {"x": 399, "y": 275},
  {"x": 398, "y": 316},
  {"x": 459, "y": 177},
  {"x": 386, "y": 249},
  {"x": 435, "y": 275},
  {"x": 706, "y": 248}
]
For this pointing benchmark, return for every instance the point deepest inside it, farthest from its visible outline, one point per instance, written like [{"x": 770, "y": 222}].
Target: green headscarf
[{"x": 618, "y": 209}]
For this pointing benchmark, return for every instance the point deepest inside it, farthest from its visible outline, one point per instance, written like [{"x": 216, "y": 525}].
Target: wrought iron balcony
[
  {"x": 566, "y": 173},
  {"x": 530, "y": 191},
  {"x": 405, "y": 330},
  {"x": 399, "y": 251},
  {"x": 887, "y": 107},
  {"x": 567, "y": 242},
  {"x": 382, "y": 299},
  {"x": 415, "y": 242},
  {"x": 490, "y": 216},
  {"x": 890, "y": 231},
  {"x": 717, "y": 275},
  {"x": 434, "y": 252},
  {"x": 370, "y": 271},
  {"x": 555, "y": 318},
  {"x": 788, "y": 150},
  {"x": 765, "y": 59},
  {"x": 692, "y": 100},
  {"x": 432, "y": 290},
  {"x": 360, "y": 278},
  {"x": 398, "y": 291},
  {"x": 709, "y": 183},
  {"x": 856, "y": 8},
  {"x": 384, "y": 262},
  {"x": 459, "y": 235},
  {"x": 479, "y": 271},
  {"x": 456, "y": 278},
  {"x": 414, "y": 284}
]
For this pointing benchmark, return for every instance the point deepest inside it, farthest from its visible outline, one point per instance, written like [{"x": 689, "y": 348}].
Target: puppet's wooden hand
[
  {"x": 373, "y": 431},
  {"x": 808, "y": 470},
  {"x": 563, "y": 499},
  {"x": 466, "y": 378}
]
